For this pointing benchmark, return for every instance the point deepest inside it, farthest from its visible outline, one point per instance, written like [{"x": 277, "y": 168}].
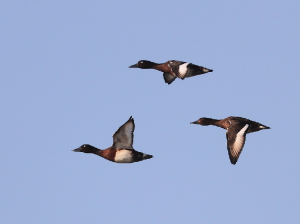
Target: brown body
[
  {"x": 108, "y": 153},
  {"x": 164, "y": 67},
  {"x": 237, "y": 128},
  {"x": 121, "y": 151},
  {"x": 225, "y": 123},
  {"x": 173, "y": 69}
]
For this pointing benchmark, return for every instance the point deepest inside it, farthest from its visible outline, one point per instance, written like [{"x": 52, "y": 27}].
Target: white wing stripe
[
  {"x": 182, "y": 70},
  {"x": 239, "y": 141},
  {"x": 242, "y": 131}
]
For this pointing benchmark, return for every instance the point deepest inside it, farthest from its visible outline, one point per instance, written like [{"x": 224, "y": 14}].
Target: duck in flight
[
  {"x": 121, "y": 151},
  {"x": 173, "y": 69},
  {"x": 237, "y": 128}
]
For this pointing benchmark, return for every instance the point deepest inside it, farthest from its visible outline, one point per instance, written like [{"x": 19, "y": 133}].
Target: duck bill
[
  {"x": 77, "y": 150},
  {"x": 134, "y": 66},
  {"x": 195, "y": 122}
]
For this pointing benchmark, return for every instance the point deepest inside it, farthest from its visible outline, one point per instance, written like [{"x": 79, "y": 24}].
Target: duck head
[
  {"x": 144, "y": 64},
  {"x": 86, "y": 148},
  {"x": 202, "y": 121}
]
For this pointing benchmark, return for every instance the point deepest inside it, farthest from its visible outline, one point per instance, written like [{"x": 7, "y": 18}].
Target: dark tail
[
  {"x": 264, "y": 127},
  {"x": 146, "y": 156}
]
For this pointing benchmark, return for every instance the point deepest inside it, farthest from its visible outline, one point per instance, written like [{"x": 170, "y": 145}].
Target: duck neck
[
  {"x": 214, "y": 122},
  {"x": 98, "y": 152},
  {"x": 93, "y": 149},
  {"x": 107, "y": 153},
  {"x": 218, "y": 123},
  {"x": 160, "y": 67}
]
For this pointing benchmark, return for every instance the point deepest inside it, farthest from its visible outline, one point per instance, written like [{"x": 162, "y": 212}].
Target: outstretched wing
[
  {"x": 123, "y": 137},
  {"x": 169, "y": 78},
  {"x": 184, "y": 69},
  {"x": 236, "y": 137}
]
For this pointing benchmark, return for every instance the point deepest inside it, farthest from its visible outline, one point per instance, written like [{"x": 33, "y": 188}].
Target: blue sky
[{"x": 65, "y": 82}]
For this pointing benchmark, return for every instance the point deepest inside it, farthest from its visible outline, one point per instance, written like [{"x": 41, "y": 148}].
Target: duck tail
[
  {"x": 146, "y": 156},
  {"x": 264, "y": 127},
  {"x": 207, "y": 70}
]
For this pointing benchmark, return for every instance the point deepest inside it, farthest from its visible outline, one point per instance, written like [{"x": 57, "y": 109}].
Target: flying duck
[
  {"x": 237, "y": 128},
  {"x": 173, "y": 69},
  {"x": 121, "y": 151}
]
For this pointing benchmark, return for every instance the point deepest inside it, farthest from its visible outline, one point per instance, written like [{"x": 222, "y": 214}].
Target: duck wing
[
  {"x": 179, "y": 68},
  {"x": 184, "y": 69},
  {"x": 169, "y": 78},
  {"x": 236, "y": 137},
  {"x": 123, "y": 137}
]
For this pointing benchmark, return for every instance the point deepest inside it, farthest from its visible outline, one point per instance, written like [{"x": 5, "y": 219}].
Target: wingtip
[
  {"x": 233, "y": 161},
  {"x": 131, "y": 119}
]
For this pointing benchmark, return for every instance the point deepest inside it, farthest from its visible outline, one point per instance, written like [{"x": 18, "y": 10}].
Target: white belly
[{"x": 124, "y": 156}]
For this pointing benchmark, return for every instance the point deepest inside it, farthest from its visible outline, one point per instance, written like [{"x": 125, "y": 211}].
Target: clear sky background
[{"x": 65, "y": 82}]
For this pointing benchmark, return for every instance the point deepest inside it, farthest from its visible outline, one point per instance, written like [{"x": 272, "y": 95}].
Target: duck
[
  {"x": 173, "y": 69},
  {"x": 237, "y": 128},
  {"x": 121, "y": 150}
]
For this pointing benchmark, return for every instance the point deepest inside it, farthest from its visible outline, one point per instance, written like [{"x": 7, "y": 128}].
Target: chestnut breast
[
  {"x": 164, "y": 68},
  {"x": 223, "y": 123}
]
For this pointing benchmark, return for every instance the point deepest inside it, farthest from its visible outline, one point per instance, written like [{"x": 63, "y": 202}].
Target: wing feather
[
  {"x": 179, "y": 68},
  {"x": 236, "y": 137},
  {"x": 123, "y": 137},
  {"x": 169, "y": 78}
]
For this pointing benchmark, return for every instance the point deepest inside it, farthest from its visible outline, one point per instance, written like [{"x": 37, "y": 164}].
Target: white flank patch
[
  {"x": 123, "y": 156},
  {"x": 239, "y": 141},
  {"x": 182, "y": 70}
]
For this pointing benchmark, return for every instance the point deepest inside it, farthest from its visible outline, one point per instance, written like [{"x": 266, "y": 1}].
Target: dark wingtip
[
  {"x": 168, "y": 82},
  {"x": 233, "y": 161}
]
